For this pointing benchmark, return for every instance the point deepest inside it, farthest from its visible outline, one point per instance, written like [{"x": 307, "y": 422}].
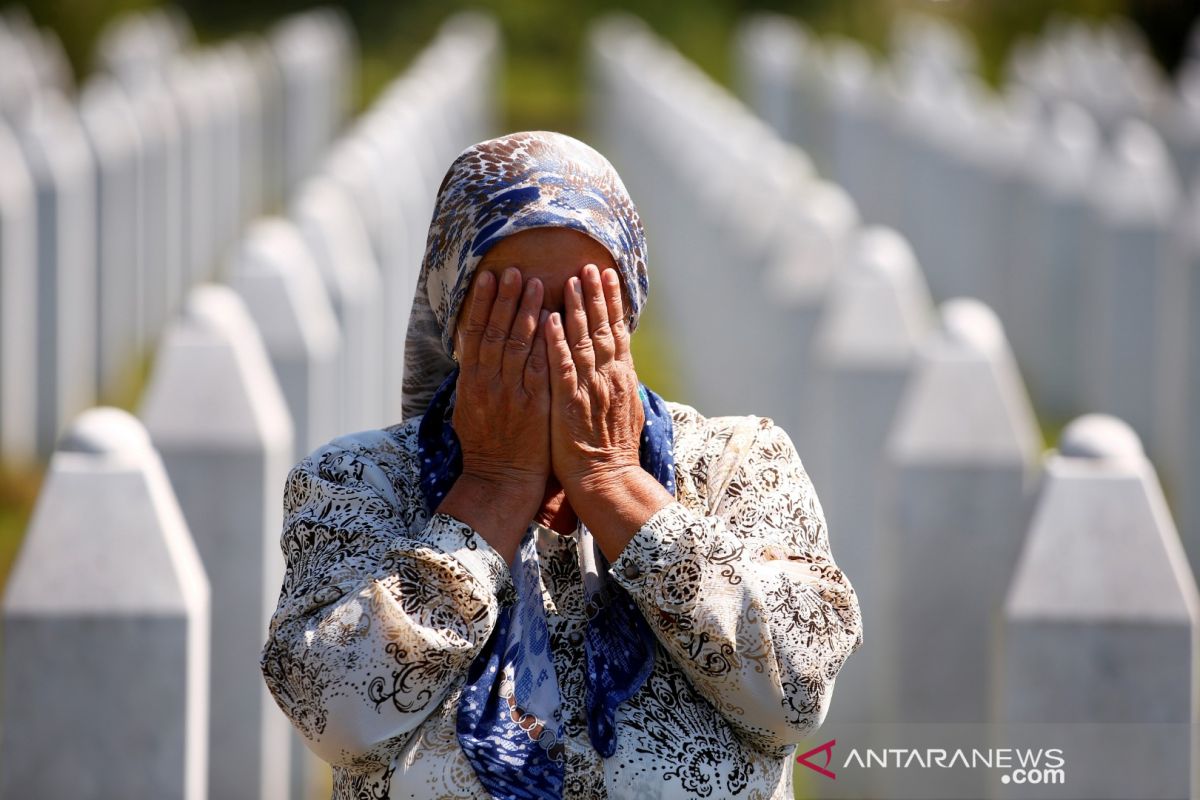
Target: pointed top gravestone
[{"x": 106, "y": 626}]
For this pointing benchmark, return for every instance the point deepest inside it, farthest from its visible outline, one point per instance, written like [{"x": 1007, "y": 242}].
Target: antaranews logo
[
  {"x": 827, "y": 749},
  {"x": 1020, "y": 765}
]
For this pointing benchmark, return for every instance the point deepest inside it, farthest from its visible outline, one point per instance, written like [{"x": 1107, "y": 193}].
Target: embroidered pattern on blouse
[{"x": 382, "y": 610}]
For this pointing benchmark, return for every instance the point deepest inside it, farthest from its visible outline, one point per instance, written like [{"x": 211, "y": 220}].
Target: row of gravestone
[
  {"x": 1063, "y": 205},
  {"x": 135, "y": 613},
  {"x": 116, "y": 199},
  {"x": 998, "y": 584}
]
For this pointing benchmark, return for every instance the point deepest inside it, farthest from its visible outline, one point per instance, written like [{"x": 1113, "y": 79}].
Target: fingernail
[
  {"x": 610, "y": 276},
  {"x": 554, "y": 320},
  {"x": 575, "y": 285},
  {"x": 485, "y": 279},
  {"x": 543, "y": 315},
  {"x": 530, "y": 288},
  {"x": 510, "y": 276}
]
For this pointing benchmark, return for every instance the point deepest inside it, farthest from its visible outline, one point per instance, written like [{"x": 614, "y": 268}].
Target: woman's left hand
[{"x": 596, "y": 413}]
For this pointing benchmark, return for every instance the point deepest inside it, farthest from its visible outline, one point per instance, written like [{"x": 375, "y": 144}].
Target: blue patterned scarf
[{"x": 534, "y": 179}]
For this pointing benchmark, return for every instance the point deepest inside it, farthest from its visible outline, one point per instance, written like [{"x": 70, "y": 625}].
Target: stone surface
[
  {"x": 163, "y": 202},
  {"x": 215, "y": 412},
  {"x": 1136, "y": 199},
  {"x": 197, "y": 125},
  {"x": 1046, "y": 281},
  {"x": 960, "y": 456},
  {"x": 18, "y": 305},
  {"x": 877, "y": 314},
  {"x": 63, "y": 171},
  {"x": 793, "y": 290},
  {"x": 106, "y": 629},
  {"x": 279, "y": 282},
  {"x": 1102, "y": 620},
  {"x": 338, "y": 242},
  {"x": 313, "y": 51},
  {"x": 1177, "y": 432},
  {"x": 116, "y": 148}
]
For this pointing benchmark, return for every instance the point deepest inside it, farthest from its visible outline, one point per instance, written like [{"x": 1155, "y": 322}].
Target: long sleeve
[
  {"x": 748, "y": 600},
  {"x": 380, "y": 609}
]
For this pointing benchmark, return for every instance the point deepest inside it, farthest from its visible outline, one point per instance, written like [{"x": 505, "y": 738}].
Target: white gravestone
[
  {"x": 197, "y": 126},
  {"x": 215, "y": 412},
  {"x": 796, "y": 285},
  {"x": 309, "y": 49},
  {"x": 960, "y": 457},
  {"x": 877, "y": 314},
  {"x": 1044, "y": 315},
  {"x": 280, "y": 283},
  {"x": 340, "y": 245},
  {"x": 277, "y": 279},
  {"x": 1177, "y": 431},
  {"x": 1137, "y": 197},
  {"x": 108, "y": 120},
  {"x": 1102, "y": 622},
  {"x": 106, "y": 629},
  {"x": 60, "y": 161},
  {"x": 771, "y": 49},
  {"x": 18, "y": 305},
  {"x": 162, "y": 206}
]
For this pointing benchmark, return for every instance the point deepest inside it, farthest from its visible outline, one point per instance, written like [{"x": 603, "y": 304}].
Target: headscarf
[{"x": 493, "y": 189}]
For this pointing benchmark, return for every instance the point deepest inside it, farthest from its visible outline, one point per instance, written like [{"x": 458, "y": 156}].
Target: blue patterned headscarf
[{"x": 509, "y": 721}]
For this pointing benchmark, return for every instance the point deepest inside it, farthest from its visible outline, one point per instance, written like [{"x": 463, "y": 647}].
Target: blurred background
[{"x": 949, "y": 246}]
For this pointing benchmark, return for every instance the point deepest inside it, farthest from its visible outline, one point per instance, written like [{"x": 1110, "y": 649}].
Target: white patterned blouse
[{"x": 384, "y": 608}]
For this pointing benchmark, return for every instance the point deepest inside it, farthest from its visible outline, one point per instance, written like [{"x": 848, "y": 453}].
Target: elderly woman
[{"x": 549, "y": 582}]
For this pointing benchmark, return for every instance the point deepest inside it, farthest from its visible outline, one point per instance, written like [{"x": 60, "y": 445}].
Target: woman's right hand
[{"x": 502, "y": 408}]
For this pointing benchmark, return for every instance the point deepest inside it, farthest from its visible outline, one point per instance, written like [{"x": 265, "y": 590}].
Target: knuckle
[
  {"x": 494, "y": 334},
  {"x": 515, "y": 344}
]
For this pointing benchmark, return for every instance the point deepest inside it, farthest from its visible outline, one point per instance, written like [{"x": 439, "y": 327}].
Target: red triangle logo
[{"x": 827, "y": 749}]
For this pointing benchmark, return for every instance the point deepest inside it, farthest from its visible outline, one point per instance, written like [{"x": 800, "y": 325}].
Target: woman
[{"x": 548, "y": 581}]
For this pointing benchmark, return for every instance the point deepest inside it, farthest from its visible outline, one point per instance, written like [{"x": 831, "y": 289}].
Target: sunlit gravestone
[
  {"x": 63, "y": 171},
  {"x": 1046, "y": 279},
  {"x": 877, "y": 315},
  {"x": 107, "y": 119},
  {"x": 960, "y": 459},
  {"x": 196, "y": 122},
  {"x": 338, "y": 242},
  {"x": 215, "y": 412},
  {"x": 797, "y": 284},
  {"x": 1102, "y": 623},
  {"x": 276, "y": 277},
  {"x": 1177, "y": 429},
  {"x": 106, "y": 629},
  {"x": 1137, "y": 197},
  {"x": 162, "y": 195},
  {"x": 18, "y": 305}
]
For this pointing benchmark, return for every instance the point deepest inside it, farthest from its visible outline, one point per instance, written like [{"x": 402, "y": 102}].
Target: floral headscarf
[{"x": 493, "y": 189}]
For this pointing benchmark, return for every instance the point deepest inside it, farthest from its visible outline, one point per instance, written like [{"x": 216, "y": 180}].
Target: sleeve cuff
[
  {"x": 460, "y": 541},
  {"x": 672, "y": 536}
]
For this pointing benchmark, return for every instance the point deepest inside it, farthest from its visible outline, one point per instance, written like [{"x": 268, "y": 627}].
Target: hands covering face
[{"x": 539, "y": 394}]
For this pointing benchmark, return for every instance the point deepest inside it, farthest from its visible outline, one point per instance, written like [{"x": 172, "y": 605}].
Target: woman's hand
[
  {"x": 501, "y": 410},
  {"x": 596, "y": 413}
]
